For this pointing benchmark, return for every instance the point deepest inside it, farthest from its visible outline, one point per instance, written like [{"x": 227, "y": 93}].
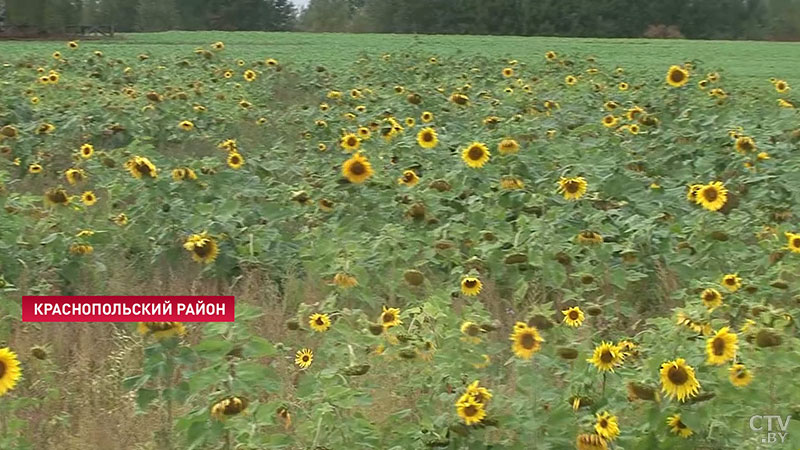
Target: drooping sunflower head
[
  {"x": 186, "y": 125},
  {"x": 525, "y": 340},
  {"x": 712, "y": 196},
  {"x": 471, "y": 332},
  {"x": 228, "y": 407},
  {"x": 344, "y": 280},
  {"x": 204, "y": 248},
  {"x": 390, "y": 317},
  {"x": 10, "y": 371},
  {"x": 572, "y": 188},
  {"x": 74, "y": 176},
  {"x": 678, "y": 427},
  {"x": 471, "y": 286},
  {"x": 357, "y": 169},
  {"x": 140, "y": 167},
  {"x": 745, "y": 144},
  {"x": 409, "y": 178},
  {"x": 677, "y": 76},
  {"x": 721, "y": 347},
  {"x": 606, "y": 356},
  {"x": 427, "y": 138},
  {"x": 459, "y": 99},
  {"x": 56, "y": 196},
  {"x": 573, "y": 317},
  {"x": 740, "y": 375},
  {"x": 590, "y": 442},
  {"x": 732, "y": 282},
  {"x": 712, "y": 298},
  {"x": 508, "y": 146},
  {"x": 476, "y": 155},
  {"x": 319, "y": 322},
  {"x": 589, "y": 237},
  {"x": 511, "y": 183},
  {"x": 478, "y": 393},
  {"x": 161, "y": 330},
  {"x": 303, "y": 358},
  {"x": 678, "y": 380}
]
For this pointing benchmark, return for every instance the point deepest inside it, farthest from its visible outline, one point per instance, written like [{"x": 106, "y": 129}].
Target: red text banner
[{"x": 112, "y": 308}]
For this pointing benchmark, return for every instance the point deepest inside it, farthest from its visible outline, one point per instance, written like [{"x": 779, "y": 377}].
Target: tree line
[{"x": 698, "y": 19}]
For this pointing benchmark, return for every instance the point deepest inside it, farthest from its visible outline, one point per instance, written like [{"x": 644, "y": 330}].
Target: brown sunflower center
[
  {"x": 351, "y": 141},
  {"x": 470, "y": 283},
  {"x": 745, "y": 144},
  {"x": 58, "y": 196},
  {"x": 606, "y": 357},
  {"x": 305, "y": 358},
  {"x": 781, "y": 86},
  {"x": 677, "y": 375},
  {"x": 718, "y": 346},
  {"x": 710, "y": 194},
  {"x": 235, "y": 160},
  {"x": 204, "y": 250},
  {"x": 2, "y": 369},
  {"x": 319, "y": 321},
  {"x": 677, "y": 76},
  {"x": 573, "y": 315},
  {"x": 471, "y": 410},
  {"x": 427, "y": 137},
  {"x": 741, "y": 374},
  {"x": 730, "y": 281},
  {"x": 572, "y": 186},
  {"x": 679, "y": 425},
  {"x": 796, "y": 242},
  {"x": 142, "y": 168},
  {"x": 603, "y": 423},
  {"x": 473, "y": 330},
  {"x": 387, "y": 317},
  {"x": 709, "y": 296},
  {"x": 475, "y": 153},
  {"x": 527, "y": 341},
  {"x": 358, "y": 168},
  {"x": 408, "y": 176}
]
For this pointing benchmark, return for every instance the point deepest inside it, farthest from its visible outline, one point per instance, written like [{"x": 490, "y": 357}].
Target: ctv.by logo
[{"x": 773, "y": 423}]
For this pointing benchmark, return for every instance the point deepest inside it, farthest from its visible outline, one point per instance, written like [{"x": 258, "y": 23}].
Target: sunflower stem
[
  {"x": 316, "y": 433},
  {"x": 603, "y": 393}
]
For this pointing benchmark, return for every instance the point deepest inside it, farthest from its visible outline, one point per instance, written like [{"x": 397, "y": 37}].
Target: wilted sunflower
[
  {"x": 471, "y": 286},
  {"x": 303, "y": 358},
  {"x": 511, "y": 183},
  {"x": 588, "y": 237},
  {"x": 794, "y": 242},
  {"x": 45, "y": 128},
  {"x": 508, "y": 147},
  {"x": 203, "y": 247},
  {"x": 74, "y": 176},
  {"x": 459, "y": 99},
  {"x": 711, "y": 298},
  {"x": 409, "y": 178},
  {"x": 678, "y": 380},
  {"x": 319, "y": 322},
  {"x": 56, "y": 196},
  {"x": 526, "y": 340},
  {"x": 573, "y": 317},
  {"x": 722, "y": 347},
  {"x": 677, "y": 76},
  {"x": 427, "y": 138},
  {"x": 590, "y": 442},
  {"x": 10, "y": 371},
  {"x": 572, "y": 188},
  {"x": 783, "y": 103},
  {"x": 606, "y": 356},
  {"x": 732, "y": 282},
  {"x": 471, "y": 332},
  {"x": 235, "y": 160},
  {"x": 745, "y": 144},
  {"x": 140, "y": 166},
  {"x": 390, "y": 317},
  {"x": 470, "y": 411},
  {"x": 87, "y": 150},
  {"x": 712, "y": 196},
  {"x": 478, "y": 393},
  {"x": 344, "y": 280},
  {"x": 227, "y": 407},
  {"x": 476, "y": 155},
  {"x": 740, "y": 375},
  {"x": 357, "y": 169},
  {"x": 610, "y": 121},
  {"x": 782, "y": 86},
  {"x": 607, "y": 426},
  {"x": 35, "y": 168},
  {"x": 678, "y": 427},
  {"x": 161, "y": 330},
  {"x": 186, "y": 125},
  {"x": 88, "y": 198},
  {"x": 81, "y": 249}
]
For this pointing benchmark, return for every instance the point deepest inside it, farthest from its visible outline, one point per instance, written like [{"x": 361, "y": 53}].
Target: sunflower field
[{"x": 438, "y": 251}]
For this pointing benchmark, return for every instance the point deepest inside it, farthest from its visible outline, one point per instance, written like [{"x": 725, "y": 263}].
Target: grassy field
[{"x": 740, "y": 60}]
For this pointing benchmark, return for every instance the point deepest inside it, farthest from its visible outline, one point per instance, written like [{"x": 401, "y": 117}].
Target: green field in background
[{"x": 741, "y": 60}]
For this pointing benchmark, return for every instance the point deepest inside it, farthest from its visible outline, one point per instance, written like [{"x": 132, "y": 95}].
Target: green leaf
[
  {"x": 145, "y": 396},
  {"x": 258, "y": 347}
]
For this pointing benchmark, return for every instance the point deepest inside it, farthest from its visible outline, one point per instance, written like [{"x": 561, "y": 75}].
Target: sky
[{"x": 300, "y": 3}]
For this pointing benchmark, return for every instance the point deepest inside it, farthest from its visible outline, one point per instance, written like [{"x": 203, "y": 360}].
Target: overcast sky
[{"x": 300, "y": 2}]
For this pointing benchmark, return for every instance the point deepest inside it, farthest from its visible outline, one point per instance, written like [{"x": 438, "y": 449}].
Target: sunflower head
[
  {"x": 677, "y": 76},
  {"x": 319, "y": 322},
  {"x": 525, "y": 340},
  {"x": 606, "y": 356},
  {"x": 471, "y": 286},
  {"x": 390, "y": 317},
  {"x": 739, "y": 375},
  {"x": 476, "y": 155},
  {"x": 357, "y": 169},
  {"x": 572, "y": 188},
  {"x": 678, "y": 427},
  {"x": 204, "y": 248},
  {"x": 678, "y": 380},
  {"x": 427, "y": 138},
  {"x": 303, "y": 358},
  {"x": 573, "y": 317}
]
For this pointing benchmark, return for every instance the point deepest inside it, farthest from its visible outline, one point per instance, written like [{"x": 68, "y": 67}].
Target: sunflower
[
  {"x": 161, "y": 330},
  {"x": 633, "y": 129},
  {"x": 426, "y": 117},
  {"x": 573, "y": 317},
  {"x": 623, "y": 86},
  {"x": 140, "y": 166},
  {"x": 721, "y": 347},
  {"x": 235, "y": 160},
  {"x": 219, "y": 45},
  {"x": 87, "y": 150},
  {"x": 782, "y": 86},
  {"x": 88, "y": 198},
  {"x": 357, "y": 169},
  {"x": 470, "y": 411},
  {"x": 303, "y": 358},
  {"x": 478, "y": 393},
  {"x": 794, "y": 242},
  {"x": 606, "y": 426},
  {"x": 711, "y": 298},
  {"x": 590, "y": 442},
  {"x": 476, "y": 155},
  {"x": 10, "y": 371},
  {"x": 702, "y": 84},
  {"x": 732, "y": 282},
  {"x": 678, "y": 427},
  {"x": 271, "y": 62},
  {"x": 785, "y": 103},
  {"x": 508, "y": 72},
  {"x": 570, "y": 80},
  {"x": 35, "y": 168},
  {"x": 745, "y": 144},
  {"x": 229, "y": 406},
  {"x": 249, "y": 75},
  {"x": 511, "y": 183},
  {"x": 409, "y": 178},
  {"x": 228, "y": 74},
  {"x": 186, "y": 125},
  {"x": 678, "y": 380},
  {"x": 508, "y": 147},
  {"x": 427, "y": 138},
  {"x": 691, "y": 193},
  {"x": 526, "y": 340},
  {"x": 606, "y": 356},
  {"x": 74, "y": 176},
  {"x": 471, "y": 286},
  {"x": 203, "y": 247},
  {"x": 740, "y": 375},
  {"x": 319, "y": 322},
  {"x": 45, "y": 128},
  {"x": 677, "y": 76},
  {"x": 471, "y": 332},
  {"x": 364, "y": 133},
  {"x": 56, "y": 196},
  {"x": 712, "y": 196},
  {"x": 459, "y": 99},
  {"x": 344, "y": 280},
  {"x": 390, "y": 317},
  {"x": 572, "y": 188},
  {"x": 610, "y": 121},
  {"x": 588, "y": 237},
  {"x": 551, "y": 55}
]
